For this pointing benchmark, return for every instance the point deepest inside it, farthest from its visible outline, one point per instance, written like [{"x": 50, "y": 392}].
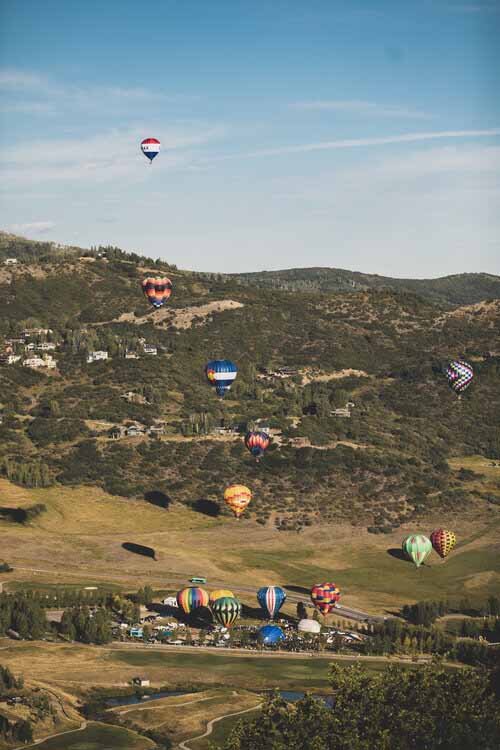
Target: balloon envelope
[
  {"x": 192, "y": 597},
  {"x": 270, "y": 634},
  {"x": 417, "y": 548},
  {"x": 221, "y": 374},
  {"x": 460, "y": 375},
  {"x": 271, "y": 599},
  {"x": 150, "y": 147},
  {"x": 226, "y": 610},
  {"x": 443, "y": 541},
  {"x": 324, "y": 596},
  {"x": 157, "y": 290},
  {"x": 257, "y": 442},
  {"x": 220, "y": 594},
  {"x": 237, "y": 497},
  {"x": 309, "y": 626}
]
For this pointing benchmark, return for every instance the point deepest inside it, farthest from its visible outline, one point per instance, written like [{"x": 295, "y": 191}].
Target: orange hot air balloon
[
  {"x": 443, "y": 541},
  {"x": 237, "y": 497}
]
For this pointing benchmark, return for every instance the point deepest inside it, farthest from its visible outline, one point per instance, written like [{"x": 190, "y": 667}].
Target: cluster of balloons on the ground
[
  {"x": 418, "y": 547},
  {"x": 226, "y": 608}
]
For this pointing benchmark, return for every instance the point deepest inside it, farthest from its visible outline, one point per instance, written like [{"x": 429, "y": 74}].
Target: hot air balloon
[
  {"x": 309, "y": 626},
  {"x": 324, "y": 596},
  {"x": 270, "y": 634},
  {"x": 257, "y": 442},
  {"x": 226, "y": 610},
  {"x": 417, "y": 548},
  {"x": 271, "y": 599},
  {"x": 157, "y": 290},
  {"x": 221, "y": 373},
  {"x": 460, "y": 375},
  {"x": 443, "y": 541},
  {"x": 150, "y": 147},
  {"x": 220, "y": 594},
  {"x": 237, "y": 497},
  {"x": 191, "y": 598}
]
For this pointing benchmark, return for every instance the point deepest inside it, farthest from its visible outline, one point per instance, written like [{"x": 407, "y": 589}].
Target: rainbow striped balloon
[
  {"x": 157, "y": 291},
  {"x": 191, "y": 598}
]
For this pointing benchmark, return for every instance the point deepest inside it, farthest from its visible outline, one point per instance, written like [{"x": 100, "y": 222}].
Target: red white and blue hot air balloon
[
  {"x": 271, "y": 598},
  {"x": 150, "y": 147},
  {"x": 221, "y": 374}
]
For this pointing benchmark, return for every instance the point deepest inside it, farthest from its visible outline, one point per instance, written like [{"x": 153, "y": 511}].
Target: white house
[
  {"x": 10, "y": 359},
  {"x": 46, "y": 346},
  {"x": 36, "y": 362},
  {"x": 10, "y": 261},
  {"x": 149, "y": 349},
  {"x": 96, "y": 356},
  {"x": 131, "y": 355},
  {"x": 170, "y": 601}
]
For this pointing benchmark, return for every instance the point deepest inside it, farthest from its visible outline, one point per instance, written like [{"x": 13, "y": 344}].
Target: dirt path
[
  {"x": 82, "y": 726},
  {"x": 210, "y": 726}
]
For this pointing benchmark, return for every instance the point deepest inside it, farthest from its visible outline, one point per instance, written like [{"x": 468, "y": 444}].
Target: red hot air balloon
[
  {"x": 257, "y": 442},
  {"x": 443, "y": 541},
  {"x": 324, "y": 596}
]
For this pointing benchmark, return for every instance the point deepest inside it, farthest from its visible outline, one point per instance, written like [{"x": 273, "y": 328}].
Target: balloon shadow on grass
[
  {"x": 155, "y": 497},
  {"x": 397, "y": 553},
  {"x": 206, "y": 507},
  {"x": 139, "y": 549}
]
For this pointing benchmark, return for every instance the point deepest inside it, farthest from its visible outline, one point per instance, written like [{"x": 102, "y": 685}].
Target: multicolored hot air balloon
[
  {"x": 417, "y": 548},
  {"x": 191, "y": 598},
  {"x": 221, "y": 374},
  {"x": 271, "y": 599},
  {"x": 257, "y": 442},
  {"x": 443, "y": 541},
  {"x": 324, "y": 596},
  {"x": 460, "y": 375},
  {"x": 269, "y": 635},
  {"x": 150, "y": 147},
  {"x": 237, "y": 497},
  {"x": 220, "y": 594},
  {"x": 226, "y": 610},
  {"x": 156, "y": 290}
]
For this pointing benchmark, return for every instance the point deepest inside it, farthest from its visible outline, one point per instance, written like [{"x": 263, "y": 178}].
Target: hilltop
[{"x": 350, "y": 383}]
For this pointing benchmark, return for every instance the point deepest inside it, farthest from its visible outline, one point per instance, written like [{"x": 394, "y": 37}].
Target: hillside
[
  {"x": 449, "y": 291},
  {"x": 380, "y": 463}
]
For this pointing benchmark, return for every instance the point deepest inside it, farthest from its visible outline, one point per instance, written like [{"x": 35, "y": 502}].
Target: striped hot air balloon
[
  {"x": 150, "y": 147},
  {"x": 226, "y": 610},
  {"x": 220, "y": 594},
  {"x": 460, "y": 375},
  {"x": 257, "y": 442},
  {"x": 271, "y": 599},
  {"x": 221, "y": 374},
  {"x": 157, "y": 290},
  {"x": 191, "y": 598},
  {"x": 237, "y": 497},
  {"x": 324, "y": 596},
  {"x": 417, "y": 548},
  {"x": 443, "y": 541}
]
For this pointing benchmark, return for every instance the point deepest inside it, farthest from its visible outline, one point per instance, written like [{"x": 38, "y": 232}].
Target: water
[{"x": 290, "y": 696}]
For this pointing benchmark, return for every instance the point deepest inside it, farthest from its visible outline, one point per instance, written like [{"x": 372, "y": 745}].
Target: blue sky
[{"x": 361, "y": 134}]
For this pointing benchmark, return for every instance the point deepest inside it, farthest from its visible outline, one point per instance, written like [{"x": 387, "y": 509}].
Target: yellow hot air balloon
[
  {"x": 237, "y": 497},
  {"x": 220, "y": 594}
]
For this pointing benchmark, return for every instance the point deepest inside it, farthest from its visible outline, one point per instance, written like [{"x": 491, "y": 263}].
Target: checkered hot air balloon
[
  {"x": 221, "y": 374},
  {"x": 157, "y": 290},
  {"x": 271, "y": 599},
  {"x": 257, "y": 442},
  {"x": 192, "y": 597},
  {"x": 417, "y": 548},
  {"x": 237, "y": 497},
  {"x": 324, "y": 596},
  {"x": 443, "y": 541},
  {"x": 226, "y": 610},
  {"x": 460, "y": 375},
  {"x": 150, "y": 147}
]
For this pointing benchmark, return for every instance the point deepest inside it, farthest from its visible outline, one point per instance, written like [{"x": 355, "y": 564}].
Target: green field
[{"x": 96, "y": 736}]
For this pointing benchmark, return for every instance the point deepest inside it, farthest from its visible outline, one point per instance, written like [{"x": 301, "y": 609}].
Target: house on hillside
[
  {"x": 131, "y": 355},
  {"x": 141, "y": 682},
  {"x": 135, "y": 430},
  {"x": 96, "y": 356},
  {"x": 36, "y": 362},
  {"x": 344, "y": 411},
  {"x": 9, "y": 359},
  {"x": 156, "y": 430},
  {"x": 46, "y": 346},
  {"x": 149, "y": 349},
  {"x": 10, "y": 261},
  {"x": 117, "y": 432}
]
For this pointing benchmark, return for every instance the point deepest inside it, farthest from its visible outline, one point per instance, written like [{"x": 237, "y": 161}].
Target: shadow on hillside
[
  {"x": 139, "y": 549},
  {"x": 18, "y": 515},
  {"x": 397, "y": 553},
  {"x": 297, "y": 589},
  {"x": 206, "y": 507},
  {"x": 155, "y": 497}
]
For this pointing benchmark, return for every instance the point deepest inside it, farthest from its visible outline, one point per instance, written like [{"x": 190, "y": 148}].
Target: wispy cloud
[
  {"x": 33, "y": 227},
  {"x": 359, "y": 107},
  {"x": 486, "y": 7},
  {"x": 365, "y": 142}
]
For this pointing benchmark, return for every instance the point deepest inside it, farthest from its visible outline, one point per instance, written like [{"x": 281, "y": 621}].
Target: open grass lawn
[
  {"x": 97, "y": 736},
  {"x": 79, "y": 541},
  {"x": 221, "y": 730}
]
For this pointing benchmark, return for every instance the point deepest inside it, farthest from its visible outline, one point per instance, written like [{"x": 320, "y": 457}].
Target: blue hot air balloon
[
  {"x": 221, "y": 374},
  {"x": 271, "y": 599},
  {"x": 269, "y": 635}
]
